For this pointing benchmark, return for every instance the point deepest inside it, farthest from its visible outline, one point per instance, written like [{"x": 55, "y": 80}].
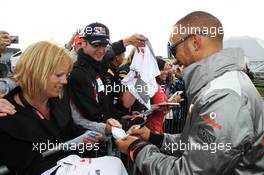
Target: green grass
[{"x": 260, "y": 88}]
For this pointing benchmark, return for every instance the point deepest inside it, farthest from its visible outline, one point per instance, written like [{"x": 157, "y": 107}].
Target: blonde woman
[{"x": 43, "y": 113}]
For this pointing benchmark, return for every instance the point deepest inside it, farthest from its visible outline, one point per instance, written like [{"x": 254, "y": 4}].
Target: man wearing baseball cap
[
  {"x": 96, "y": 33},
  {"x": 87, "y": 80}
]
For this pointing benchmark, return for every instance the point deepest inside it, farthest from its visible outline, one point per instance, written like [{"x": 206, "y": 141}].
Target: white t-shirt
[{"x": 74, "y": 165}]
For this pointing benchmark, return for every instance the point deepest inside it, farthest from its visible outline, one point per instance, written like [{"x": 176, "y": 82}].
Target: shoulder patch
[
  {"x": 205, "y": 135},
  {"x": 210, "y": 120}
]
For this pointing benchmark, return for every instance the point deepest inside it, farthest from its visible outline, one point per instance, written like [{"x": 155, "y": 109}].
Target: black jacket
[
  {"x": 24, "y": 130},
  {"x": 83, "y": 85}
]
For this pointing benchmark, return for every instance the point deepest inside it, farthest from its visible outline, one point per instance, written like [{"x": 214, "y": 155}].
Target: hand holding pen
[
  {"x": 140, "y": 131},
  {"x": 132, "y": 135},
  {"x": 141, "y": 125}
]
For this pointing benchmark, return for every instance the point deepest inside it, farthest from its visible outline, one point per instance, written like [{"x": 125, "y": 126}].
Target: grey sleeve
[
  {"x": 211, "y": 147},
  {"x": 150, "y": 161},
  {"x": 6, "y": 85},
  {"x": 168, "y": 140},
  {"x": 91, "y": 125}
]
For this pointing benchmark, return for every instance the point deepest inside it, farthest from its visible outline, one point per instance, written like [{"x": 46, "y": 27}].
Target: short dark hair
[
  {"x": 203, "y": 20},
  {"x": 161, "y": 63}
]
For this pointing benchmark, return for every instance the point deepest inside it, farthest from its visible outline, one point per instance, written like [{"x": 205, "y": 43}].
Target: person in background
[
  {"x": 113, "y": 84},
  {"x": 74, "y": 44},
  {"x": 5, "y": 106},
  {"x": 127, "y": 102},
  {"x": 156, "y": 119},
  {"x": 114, "y": 87},
  {"x": 175, "y": 83},
  {"x": 69, "y": 45},
  {"x": 77, "y": 45},
  {"x": 4, "y": 41}
]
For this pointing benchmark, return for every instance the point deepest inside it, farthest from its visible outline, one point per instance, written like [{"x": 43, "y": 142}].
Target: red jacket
[{"x": 156, "y": 119}]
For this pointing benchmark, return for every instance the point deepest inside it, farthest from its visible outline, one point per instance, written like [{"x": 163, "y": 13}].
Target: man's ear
[{"x": 196, "y": 42}]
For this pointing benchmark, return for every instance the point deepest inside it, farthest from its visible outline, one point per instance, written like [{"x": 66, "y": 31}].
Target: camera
[{"x": 14, "y": 39}]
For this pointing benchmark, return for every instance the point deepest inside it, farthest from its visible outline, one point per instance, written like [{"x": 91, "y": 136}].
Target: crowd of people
[{"x": 56, "y": 94}]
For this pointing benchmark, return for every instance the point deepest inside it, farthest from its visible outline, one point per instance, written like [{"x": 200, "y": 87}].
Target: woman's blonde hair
[{"x": 37, "y": 63}]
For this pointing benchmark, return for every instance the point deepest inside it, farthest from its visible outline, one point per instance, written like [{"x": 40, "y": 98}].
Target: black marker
[{"x": 142, "y": 124}]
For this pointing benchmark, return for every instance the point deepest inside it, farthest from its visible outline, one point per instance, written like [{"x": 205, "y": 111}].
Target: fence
[{"x": 175, "y": 120}]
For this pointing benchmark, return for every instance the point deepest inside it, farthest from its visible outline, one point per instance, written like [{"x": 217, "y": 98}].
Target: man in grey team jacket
[{"x": 224, "y": 129}]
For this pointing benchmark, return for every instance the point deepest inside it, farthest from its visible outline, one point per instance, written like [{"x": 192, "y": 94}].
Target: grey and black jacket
[{"x": 223, "y": 133}]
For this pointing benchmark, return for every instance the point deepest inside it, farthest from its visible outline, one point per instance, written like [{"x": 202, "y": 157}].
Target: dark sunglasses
[{"x": 172, "y": 47}]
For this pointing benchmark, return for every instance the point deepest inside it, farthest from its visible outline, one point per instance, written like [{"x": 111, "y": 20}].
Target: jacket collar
[
  {"x": 15, "y": 125},
  {"x": 200, "y": 73}
]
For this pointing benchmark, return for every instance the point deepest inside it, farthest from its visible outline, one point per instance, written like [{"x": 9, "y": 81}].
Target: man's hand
[
  {"x": 68, "y": 45},
  {"x": 123, "y": 144},
  {"x": 136, "y": 40},
  {"x": 4, "y": 40},
  {"x": 143, "y": 132},
  {"x": 6, "y": 108},
  {"x": 111, "y": 122}
]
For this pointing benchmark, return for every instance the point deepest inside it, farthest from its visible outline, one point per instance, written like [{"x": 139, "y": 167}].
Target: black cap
[{"x": 96, "y": 33}]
